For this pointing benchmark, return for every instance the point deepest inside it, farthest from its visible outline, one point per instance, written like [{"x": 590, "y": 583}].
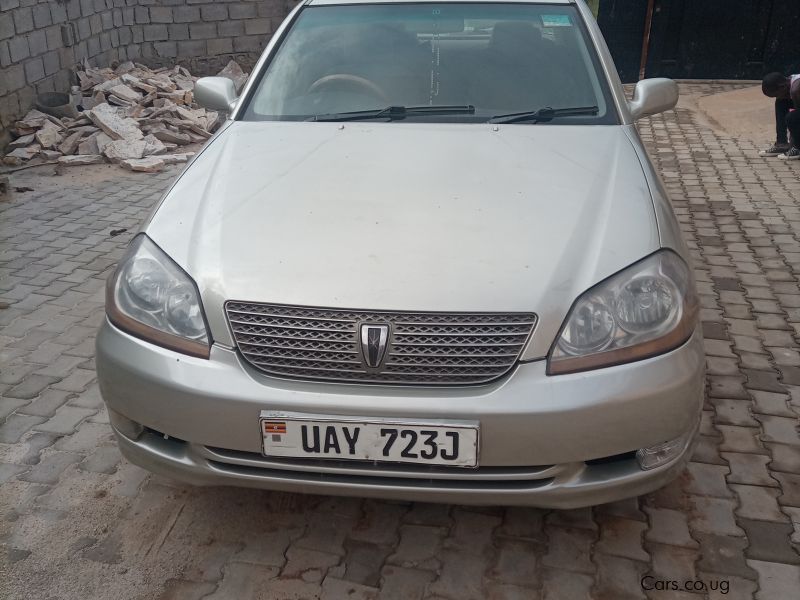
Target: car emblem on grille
[{"x": 374, "y": 339}]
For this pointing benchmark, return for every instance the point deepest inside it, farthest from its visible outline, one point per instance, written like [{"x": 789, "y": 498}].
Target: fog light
[
  {"x": 128, "y": 428},
  {"x": 660, "y": 454}
]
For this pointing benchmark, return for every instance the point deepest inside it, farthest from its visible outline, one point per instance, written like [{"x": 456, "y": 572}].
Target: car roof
[{"x": 334, "y": 2}]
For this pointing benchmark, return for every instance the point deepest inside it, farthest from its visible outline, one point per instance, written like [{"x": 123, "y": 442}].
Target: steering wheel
[{"x": 364, "y": 85}]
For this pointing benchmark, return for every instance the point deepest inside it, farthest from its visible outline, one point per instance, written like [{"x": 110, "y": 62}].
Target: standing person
[{"x": 786, "y": 91}]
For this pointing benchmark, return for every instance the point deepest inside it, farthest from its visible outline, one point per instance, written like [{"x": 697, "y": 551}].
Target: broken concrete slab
[
  {"x": 123, "y": 149},
  {"x": 117, "y": 127},
  {"x": 89, "y": 145},
  {"x": 23, "y": 154},
  {"x": 102, "y": 141},
  {"x": 70, "y": 143},
  {"x": 137, "y": 83},
  {"x": 125, "y": 67},
  {"x": 50, "y": 154},
  {"x": 106, "y": 86},
  {"x": 174, "y": 137},
  {"x": 184, "y": 83},
  {"x": 162, "y": 82},
  {"x": 178, "y": 97},
  {"x": 154, "y": 145},
  {"x": 151, "y": 164},
  {"x": 49, "y": 135},
  {"x": 172, "y": 159},
  {"x": 235, "y": 73},
  {"x": 22, "y": 141},
  {"x": 81, "y": 159},
  {"x": 126, "y": 93}
]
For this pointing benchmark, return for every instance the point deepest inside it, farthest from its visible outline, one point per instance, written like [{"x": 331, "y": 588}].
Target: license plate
[{"x": 293, "y": 435}]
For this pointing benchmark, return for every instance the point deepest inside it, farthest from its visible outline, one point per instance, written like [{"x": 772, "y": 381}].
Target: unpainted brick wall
[{"x": 41, "y": 41}]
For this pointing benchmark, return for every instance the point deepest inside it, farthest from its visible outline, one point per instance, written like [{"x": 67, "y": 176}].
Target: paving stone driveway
[{"x": 78, "y": 522}]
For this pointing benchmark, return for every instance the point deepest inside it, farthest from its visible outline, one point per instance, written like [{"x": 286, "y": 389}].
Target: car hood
[{"x": 408, "y": 216}]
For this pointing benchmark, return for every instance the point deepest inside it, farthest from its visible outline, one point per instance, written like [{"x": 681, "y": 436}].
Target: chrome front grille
[{"x": 324, "y": 344}]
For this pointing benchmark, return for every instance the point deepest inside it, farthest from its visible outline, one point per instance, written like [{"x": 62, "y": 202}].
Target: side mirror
[
  {"x": 215, "y": 93},
  {"x": 653, "y": 96}
]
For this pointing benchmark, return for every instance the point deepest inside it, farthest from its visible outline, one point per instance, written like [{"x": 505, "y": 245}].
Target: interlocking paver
[
  {"x": 65, "y": 420},
  {"x": 398, "y": 583},
  {"x": 569, "y": 549},
  {"x": 708, "y": 480},
  {"x": 565, "y": 585},
  {"x": 768, "y": 403},
  {"x": 77, "y": 381},
  {"x": 364, "y": 561},
  {"x": 243, "y": 580},
  {"x": 669, "y": 527},
  {"x": 516, "y": 564},
  {"x": 334, "y": 589},
  {"x": 31, "y": 386},
  {"x": 619, "y": 578},
  {"x": 34, "y": 443},
  {"x": 49, "y": 469},
  {"x": 622, "y": 537},
  {"x": 776, "y": 580},
  {"x": 733, "y": 412},
  {"x": 580, "y": 518},
  {"x": 758, "y": 503},
  {"x": 790, "y": 488},
  {"x": 749, "y": 469},
  {"x": 419, "y": 546},
  {"x": 46, "y": 404},
  {"x": 103, "y": 460},
  {"x": 308, "y": 565},
  {"x": 461, "y": 575},
  {"x": 7, "y": 471},
  {"x": 88, "y": 437},
  {"x": 780, "y": 429},
  {"x": 723, "y": 554},
  {"x": 17, "y": 425},
  {"x": 770, "y": 541},
  {"x": 713, "y": 515},
  {"x": 734, "y": 515},
  {"x": 673, "y": 564},
  {"x": 707, "y": 451},
  {"x": 522, "y": 523},
  {"x": 784, "y": 458}
]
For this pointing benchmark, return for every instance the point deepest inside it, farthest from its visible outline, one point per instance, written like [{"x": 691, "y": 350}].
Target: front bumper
[{"x": 561, "y": 442}]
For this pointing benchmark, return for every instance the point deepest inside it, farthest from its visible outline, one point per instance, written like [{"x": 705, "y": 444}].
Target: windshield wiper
[
  {"x": 394, "y": 113},
  {"x": 544, "y": 114}
]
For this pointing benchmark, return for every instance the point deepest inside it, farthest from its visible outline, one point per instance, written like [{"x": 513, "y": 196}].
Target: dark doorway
[{"x": 723, "y": 39}]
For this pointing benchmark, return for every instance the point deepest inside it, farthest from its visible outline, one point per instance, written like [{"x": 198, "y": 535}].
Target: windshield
[{"x": 498, "y": 58}]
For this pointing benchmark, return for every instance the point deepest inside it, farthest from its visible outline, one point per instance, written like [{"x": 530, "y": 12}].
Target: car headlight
[
  {"x": 647, "y": 309},
  {"x": 152, "y": 298}
]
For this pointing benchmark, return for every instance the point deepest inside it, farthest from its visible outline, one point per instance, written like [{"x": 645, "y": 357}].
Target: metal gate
[
  {"x": 723, "y": 39},
  {"x": 702, "y": 39}
]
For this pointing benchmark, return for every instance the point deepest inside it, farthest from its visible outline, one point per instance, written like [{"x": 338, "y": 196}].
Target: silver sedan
[{"x": 425, "y": 258}]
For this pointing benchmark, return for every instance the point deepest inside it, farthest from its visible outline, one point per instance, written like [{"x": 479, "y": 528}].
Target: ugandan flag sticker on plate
[{"x": 276, "y": 429}]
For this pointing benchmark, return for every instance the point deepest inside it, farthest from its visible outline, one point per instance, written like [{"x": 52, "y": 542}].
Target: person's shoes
[
  {"x": 791, "y": 154},
  {"x": 775, "y": 150}
]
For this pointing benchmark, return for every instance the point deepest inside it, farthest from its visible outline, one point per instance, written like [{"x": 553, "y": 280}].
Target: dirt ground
[{"x": 744, "y": 114}]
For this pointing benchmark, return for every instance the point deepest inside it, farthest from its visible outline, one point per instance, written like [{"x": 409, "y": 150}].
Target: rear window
[{"x": 499, "y": 58}]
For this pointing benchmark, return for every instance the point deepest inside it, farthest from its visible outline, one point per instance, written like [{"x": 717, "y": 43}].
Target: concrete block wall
[
  {"x": 41, "y": 41},
  {"x": 204, "y": 34}
]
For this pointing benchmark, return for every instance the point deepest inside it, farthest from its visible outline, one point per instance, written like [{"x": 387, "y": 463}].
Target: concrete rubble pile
[{"x": 134, "y": 116}]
